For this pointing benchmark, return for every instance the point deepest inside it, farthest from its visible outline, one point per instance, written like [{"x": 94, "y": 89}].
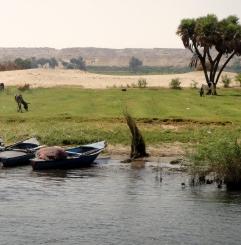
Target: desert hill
[
  {"x": 103, "y": 56},
  {"x": 159, "y": 57}
]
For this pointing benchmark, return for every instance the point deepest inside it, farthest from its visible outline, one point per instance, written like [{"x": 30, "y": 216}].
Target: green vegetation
[
  {"x": 194, "y": 84},
  {"x": 144, "y": 70},
  {"x": 74, "y": 63},
  {"x": 135, "y": 64},
  {"x": 207, "y": 33},
  {"x": 175, "y": 83},
  {"x": 142, "y": 83},
  {"x": 73, "y": 115},
  {"x": 221, "y": 156},
  {"x": 35, "y": 63},
  {"x": 23, "y": 64},
  {"x": 235, "y": 67},
  {"x": 226, "y": 81},
  {"x": 238, "y": 79}
]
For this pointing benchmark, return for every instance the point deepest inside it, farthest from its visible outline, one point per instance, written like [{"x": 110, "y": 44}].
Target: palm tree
[{"x": 212, "y": 42}]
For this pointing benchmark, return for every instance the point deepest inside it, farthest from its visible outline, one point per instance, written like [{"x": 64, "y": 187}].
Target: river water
[{"x": 114, "y": 203}]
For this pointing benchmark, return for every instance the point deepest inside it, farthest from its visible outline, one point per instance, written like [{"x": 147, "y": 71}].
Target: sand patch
[{"x": 61, "y": 77}]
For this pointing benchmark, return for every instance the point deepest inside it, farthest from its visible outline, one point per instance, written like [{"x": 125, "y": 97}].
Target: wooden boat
[
  {"x": 78, "y": 157},
  {"x": 18, "y": 153}
]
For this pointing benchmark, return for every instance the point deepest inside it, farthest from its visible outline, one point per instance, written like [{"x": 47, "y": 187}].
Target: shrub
[
  {"x": 226, "y": 81},
  {"x": 142, "y": 83},
  {"x": 194, "y": 84},
  {"x": 175, "y": 83},
  {"x": 8, "y": 66},
  {"x": 135, "y": 64},
  {"x": 238, "y": 78},
  {"x": 23, "y": 64},
  {"x": 24, "y": 87},
  {"x": 70, "y": 66},
  {"x": 74, "y": 63},
  {"x": 222, "y": 157},
  {"x": 133, "y": 85},
  {"x": 79, "y": 63}
]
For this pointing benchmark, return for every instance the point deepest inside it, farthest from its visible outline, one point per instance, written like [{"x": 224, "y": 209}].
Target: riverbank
[
  {"x": 171, "y": 121},
  {"x": 162, "y": 150}
]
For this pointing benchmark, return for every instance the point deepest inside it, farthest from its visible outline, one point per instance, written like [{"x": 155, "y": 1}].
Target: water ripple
[{"x": 114, "y": 203}]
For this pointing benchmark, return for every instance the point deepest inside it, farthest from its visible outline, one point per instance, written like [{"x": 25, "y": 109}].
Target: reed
[{"x": 220, "y": 156}]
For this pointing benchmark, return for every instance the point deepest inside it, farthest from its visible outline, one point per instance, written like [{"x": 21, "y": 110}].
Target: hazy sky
[{"x": 102, "y": 23}]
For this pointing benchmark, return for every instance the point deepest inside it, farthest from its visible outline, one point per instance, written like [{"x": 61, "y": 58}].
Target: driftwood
[{"x": 138, "y": 146}]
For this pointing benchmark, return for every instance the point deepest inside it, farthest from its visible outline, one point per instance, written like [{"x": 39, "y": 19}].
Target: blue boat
[
  {"x": 77, "y": 157},
  {"x": 19, "y": 153}
]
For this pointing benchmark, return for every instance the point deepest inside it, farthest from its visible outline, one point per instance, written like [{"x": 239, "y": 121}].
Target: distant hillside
[
  {"x": 104, "y": 57},
  {"x": 107, "y": 57}
]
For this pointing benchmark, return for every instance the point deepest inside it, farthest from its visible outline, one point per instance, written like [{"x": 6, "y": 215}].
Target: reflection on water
[{"x": 114, "y": 203}]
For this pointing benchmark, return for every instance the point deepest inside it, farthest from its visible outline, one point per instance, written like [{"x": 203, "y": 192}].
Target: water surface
[{"x": 114, "y": 203}]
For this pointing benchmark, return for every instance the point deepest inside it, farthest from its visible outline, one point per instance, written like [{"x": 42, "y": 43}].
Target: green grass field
[
  {"x": 73, "y": 115},
  {"x": 144, "y": 70}
]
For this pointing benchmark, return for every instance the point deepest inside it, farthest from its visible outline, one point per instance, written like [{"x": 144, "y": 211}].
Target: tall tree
[
  {"x": 135, "y": 64},
  {"x": 212, "y": 42},
  {"x": 78, "y": 63}
]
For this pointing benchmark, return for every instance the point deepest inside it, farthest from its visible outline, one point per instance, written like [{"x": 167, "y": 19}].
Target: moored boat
[
  {"x": 77, "y": 157},
  {"x": 19, "y": 153}
]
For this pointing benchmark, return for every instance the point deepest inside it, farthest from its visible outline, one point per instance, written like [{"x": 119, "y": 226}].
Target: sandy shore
[
  {"x": 61, "y": 77},
  {"x": 164, "y": 150},
  {"x": 168, "y": 156}
]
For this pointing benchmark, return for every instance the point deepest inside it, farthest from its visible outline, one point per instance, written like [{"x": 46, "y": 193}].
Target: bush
[
  {"x": 194, "y": 84},
  {"x": 8, "y": 66},
  {"x": 35, "y": 63},
  {"x": 70, "y": 66},
  {"x": 135, "y": 64},
  {"x": 238, "y": 78},
  {"x": 142, "y": 83},
  {"x": 78, "y": 64},
  {"x": 226, "y": 81},
  {"x": 23, "y": 64},
  {"x": 24, "y": 87},
  {"x": 222, "y": 157},
  {"x": 175, "y": 83}
]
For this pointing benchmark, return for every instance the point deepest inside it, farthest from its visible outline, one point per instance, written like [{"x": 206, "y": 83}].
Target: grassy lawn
[{"x": 73, "y": 115}]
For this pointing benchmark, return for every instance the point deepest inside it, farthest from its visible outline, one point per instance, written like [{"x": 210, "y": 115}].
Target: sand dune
[{"x": 61, "y": 77}]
